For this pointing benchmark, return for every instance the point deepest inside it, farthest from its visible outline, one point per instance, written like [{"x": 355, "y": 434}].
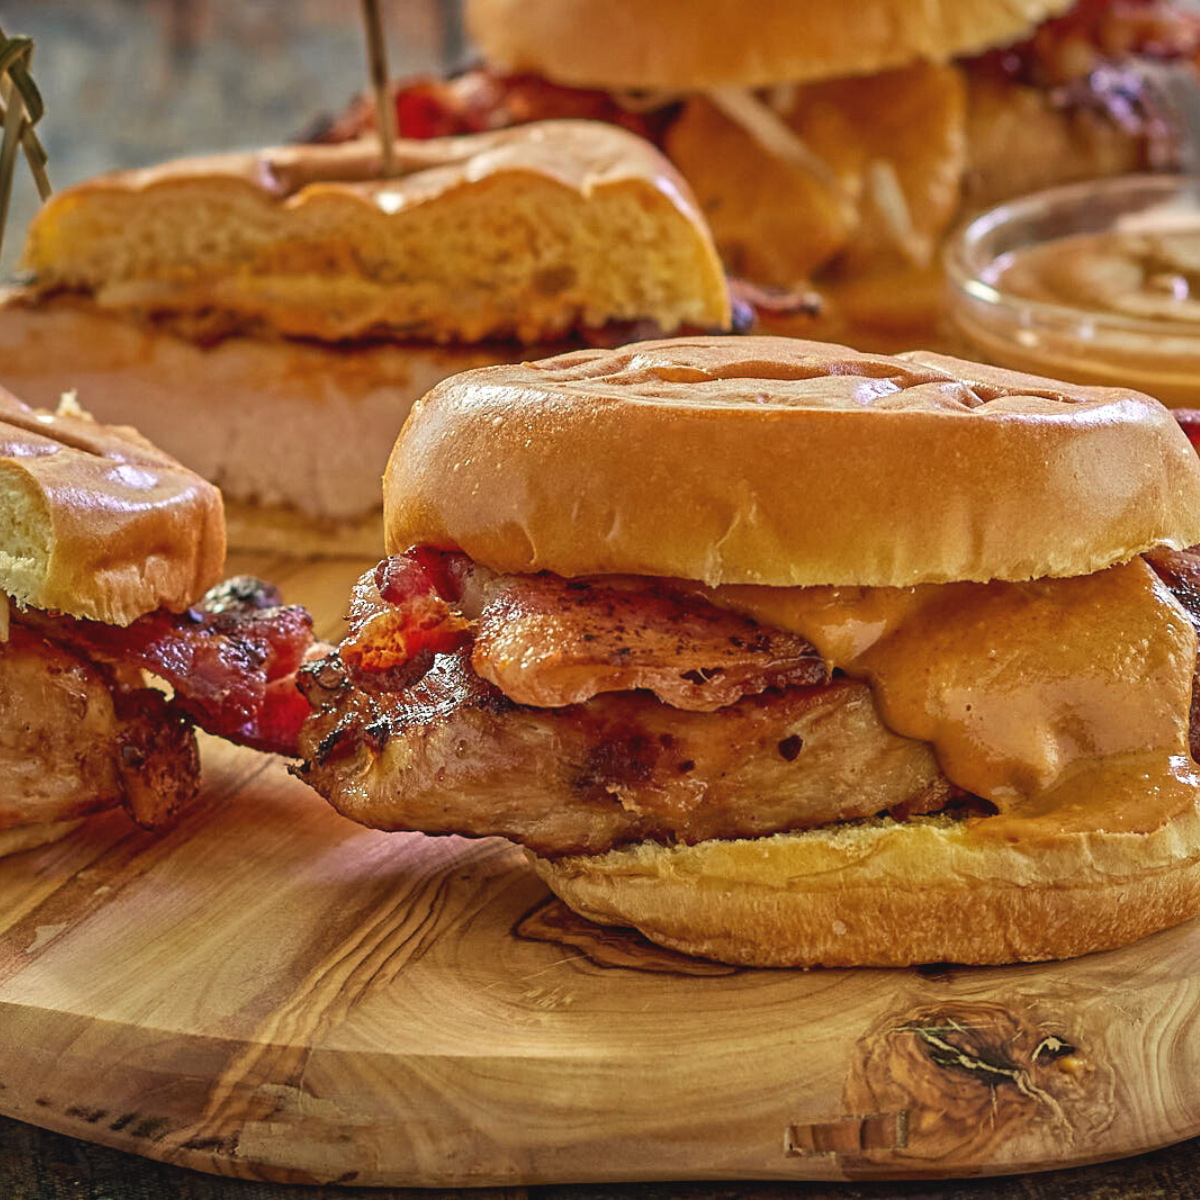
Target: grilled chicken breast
[
  {"x": 74, "y": 741},
  {"x": 450, "y": 753},
  {"x": 574, "y": 716}
]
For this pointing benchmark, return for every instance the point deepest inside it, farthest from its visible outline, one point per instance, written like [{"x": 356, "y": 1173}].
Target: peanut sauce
[
  {"x": 1064, "y": 702},
  {"x": 1150, "y": 275},
  {"x": 1122, "y": 308}
]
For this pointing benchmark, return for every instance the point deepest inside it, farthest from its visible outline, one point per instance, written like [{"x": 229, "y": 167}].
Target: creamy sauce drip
[
  {"x": 1146, "y": 275},
  {"x": 1064, "y": 702}
]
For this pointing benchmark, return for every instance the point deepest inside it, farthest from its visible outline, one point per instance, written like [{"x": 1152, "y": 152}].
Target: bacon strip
[
  {"x": 480, "y": 99},
  {"x": 1189, "y": 422},
  {"x": 400, "y": 610},
  {"x": 231, "y": 659},
  {"x": 1095, "y": 32},
  {"x": 1180, "y": 571},
  {"x": 549, "y": 642}
]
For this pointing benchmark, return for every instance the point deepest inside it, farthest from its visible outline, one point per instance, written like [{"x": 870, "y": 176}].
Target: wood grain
[{"x": 271, "y": 992}]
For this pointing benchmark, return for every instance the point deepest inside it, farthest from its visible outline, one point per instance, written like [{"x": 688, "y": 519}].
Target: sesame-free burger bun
[
  {"x": 528, "y": 233},
  {"x": 788, "y": 463},
  {"x": 887, "y": 893},
  {"x": 689, "y": 45},
  {"x": 98, "y": 523}
]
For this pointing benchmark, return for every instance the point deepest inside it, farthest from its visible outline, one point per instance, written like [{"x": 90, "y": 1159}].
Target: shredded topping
[
  {"x": 775, "y": 135},
  {"x": 887, "y": 196}
]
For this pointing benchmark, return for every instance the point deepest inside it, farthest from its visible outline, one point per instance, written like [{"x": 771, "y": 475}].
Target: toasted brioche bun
[
  {"x": 296, "y": 434},
  {"x": 29, "y": 837},
  {"x": 889, "y": 894},
  {"x": 98, "y": 523},
  {"x": 787, "y": 463},
  {"x": 688, "y": 45},
  {"x": 524, "y": 233}
]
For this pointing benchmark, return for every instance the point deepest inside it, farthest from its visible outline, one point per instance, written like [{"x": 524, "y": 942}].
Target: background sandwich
[
  {"x": 825, "y": 658},
  {"x": 835, "y": 141},
  {"x": 269, "y": 318},
  {"x": 107, "y": 547}
]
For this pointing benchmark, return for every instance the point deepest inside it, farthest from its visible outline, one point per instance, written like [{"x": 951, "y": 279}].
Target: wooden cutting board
[{"x": 271, "y": 992}]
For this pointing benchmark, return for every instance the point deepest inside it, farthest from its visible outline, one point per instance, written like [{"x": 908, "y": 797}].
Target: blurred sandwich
[
  {"x": 107, "y": 547},
  {"x": 831, "y": 141},
  {"x": 269, "y": 318}
]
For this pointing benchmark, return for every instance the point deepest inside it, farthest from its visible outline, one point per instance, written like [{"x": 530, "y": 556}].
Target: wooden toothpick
[
  {"x": 21, "y": 108},
  {"x": 377, "y": 63}
]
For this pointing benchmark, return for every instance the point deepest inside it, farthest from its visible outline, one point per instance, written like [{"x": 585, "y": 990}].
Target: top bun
[
  {"x": 528, "y": 233},
  {"x": 789, "y": 463},
  {"x": 689, "y": 45},
  {"x": 96, "y": 522}
]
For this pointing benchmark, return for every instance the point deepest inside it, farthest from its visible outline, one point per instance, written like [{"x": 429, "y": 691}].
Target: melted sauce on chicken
[{"x": 1064, "y": 702}]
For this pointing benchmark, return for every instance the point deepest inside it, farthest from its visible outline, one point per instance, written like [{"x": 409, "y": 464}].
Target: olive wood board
[{"x": 270, "y": 991}]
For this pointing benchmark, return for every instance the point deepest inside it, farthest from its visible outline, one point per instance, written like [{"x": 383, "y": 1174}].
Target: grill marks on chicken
[
  {"x": 450, "y": 753},
  {"x": 75, "y": 740},
  {"x": 577, "y": 715}
]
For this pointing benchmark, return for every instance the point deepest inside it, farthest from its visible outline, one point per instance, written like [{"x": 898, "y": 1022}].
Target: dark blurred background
[{"x": 131, "y": 82}]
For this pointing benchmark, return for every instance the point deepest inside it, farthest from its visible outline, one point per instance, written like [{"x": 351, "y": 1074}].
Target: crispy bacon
[
  {"x": 446, "y": 750},
  {"x": 1189, "y": 422},
  {"x": 548, "y": 641},
  {"x": 479, "y": 99},
  {"x": 400, "y": 610},
  {"x": 1180, "y": 571},
  {"x": 1070, "y": 47},
  {"x": 231, "y": 659}
]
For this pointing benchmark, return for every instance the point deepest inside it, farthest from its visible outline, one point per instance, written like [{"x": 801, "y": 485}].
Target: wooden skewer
[
  {"x": 21, "y": 108},
  {"x": 14, "y": 118},
  {"x": 377, "y": 62}
]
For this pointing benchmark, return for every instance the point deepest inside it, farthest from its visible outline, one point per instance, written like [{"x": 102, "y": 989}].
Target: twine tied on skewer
[
  {"x": 377, "y": 63},
  {"x": 21, "y": 108}
]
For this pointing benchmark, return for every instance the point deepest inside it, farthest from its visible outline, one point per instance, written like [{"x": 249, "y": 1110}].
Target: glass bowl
[{"x": 1006, "y": 323}]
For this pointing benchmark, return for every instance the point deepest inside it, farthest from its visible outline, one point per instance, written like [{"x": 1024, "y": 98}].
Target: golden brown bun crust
[
  {"x": 688, "y": 45},
  {"x": 98, "y": 523},
  {"x": 890, "y": 894},
  {"x": 788, "y": 463},
  {"x": 522, "y": 233}
]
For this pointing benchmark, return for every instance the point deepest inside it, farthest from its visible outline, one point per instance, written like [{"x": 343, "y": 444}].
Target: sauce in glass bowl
[{"x": 1097, "y": 283}]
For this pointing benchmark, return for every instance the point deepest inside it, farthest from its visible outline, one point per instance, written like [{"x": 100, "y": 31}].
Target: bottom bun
[
  {"x": 29, "y": 837},
  {"x": 884, "y": 893}
]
